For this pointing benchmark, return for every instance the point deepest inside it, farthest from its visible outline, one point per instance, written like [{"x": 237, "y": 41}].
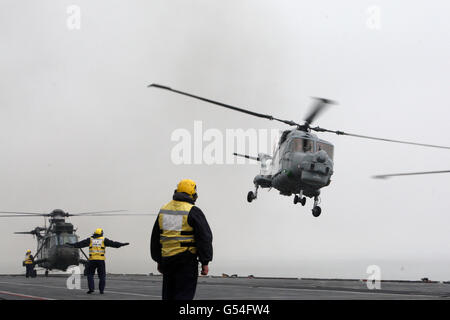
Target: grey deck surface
[{"x": 143, "y": 287}]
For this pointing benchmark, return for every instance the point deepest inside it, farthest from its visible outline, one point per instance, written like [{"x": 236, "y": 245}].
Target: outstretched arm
[
  {"x": 80, "y": 244},
  {"x": 114, "y": 244}
]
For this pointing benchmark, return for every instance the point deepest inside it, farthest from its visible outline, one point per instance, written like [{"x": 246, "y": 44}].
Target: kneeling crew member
[
  {"x": 97, "y": 244},
  {"x": 180, "y": 236},
  {"x": 28, "y": 263}
]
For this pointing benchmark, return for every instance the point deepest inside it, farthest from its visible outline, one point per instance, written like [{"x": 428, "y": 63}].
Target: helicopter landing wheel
[
  {"x": 303, "y": 201},
  {"x": 250, "y": 196},
  {"x": 46, "y": 273},
  {"x": 297, "y": 199},
  {"x": 316, "y": 211}
]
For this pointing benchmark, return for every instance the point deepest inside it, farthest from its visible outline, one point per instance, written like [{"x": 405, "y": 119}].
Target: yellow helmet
[
  {"x": 188, "y": 186},
  {"x": 28, "y": 251},
  {"x": 99, "y": 231}
]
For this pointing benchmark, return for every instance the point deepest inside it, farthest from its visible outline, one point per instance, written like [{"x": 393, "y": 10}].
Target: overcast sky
[{"x": 80, "y": 131}]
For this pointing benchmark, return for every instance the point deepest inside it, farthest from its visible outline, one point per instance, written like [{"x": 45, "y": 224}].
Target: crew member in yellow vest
[
  {"x": 97, "y": 244},
  {"x": 181, "y": 238},
  {"x": 28, "y": 263}
]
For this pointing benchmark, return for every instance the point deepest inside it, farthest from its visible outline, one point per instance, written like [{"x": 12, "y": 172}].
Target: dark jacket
[
  {"x": 202, "y": 235},
  {"x": 85, "y": 243}
]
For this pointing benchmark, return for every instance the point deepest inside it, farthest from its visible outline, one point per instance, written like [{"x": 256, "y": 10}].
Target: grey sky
[{"x": 80, "y": 131}]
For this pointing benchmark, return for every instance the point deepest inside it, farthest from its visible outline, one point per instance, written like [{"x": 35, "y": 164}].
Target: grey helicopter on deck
[
  {"x": 302, "y": 163},
  {"x": 52, "y": 253}
]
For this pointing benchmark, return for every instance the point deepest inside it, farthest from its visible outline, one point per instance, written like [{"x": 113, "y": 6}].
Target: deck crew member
[
  {"x": 97, "y": 244},
  {"x": 181, "y": 238},
  {"x": 28, "y": 263}
]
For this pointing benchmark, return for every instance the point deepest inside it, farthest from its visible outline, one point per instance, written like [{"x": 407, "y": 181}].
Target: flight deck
[{"x": 148, "y": 287}]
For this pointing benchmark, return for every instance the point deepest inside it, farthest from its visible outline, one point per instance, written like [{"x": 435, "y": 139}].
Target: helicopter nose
[
  {"x": 321, "y": 157},
  {"x": 68, "y": 255}
]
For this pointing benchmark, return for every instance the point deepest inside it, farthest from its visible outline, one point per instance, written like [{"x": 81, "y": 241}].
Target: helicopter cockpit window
[
  {"x": 301, "y": 145},
  {"x": 67, "y": 238},
  {"x": 328, "y": 148}
]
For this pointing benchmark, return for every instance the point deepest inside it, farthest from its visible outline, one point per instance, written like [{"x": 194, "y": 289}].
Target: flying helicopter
[
  {"x": 52, "y": 252},
  {"x": 302, "y": 163}
]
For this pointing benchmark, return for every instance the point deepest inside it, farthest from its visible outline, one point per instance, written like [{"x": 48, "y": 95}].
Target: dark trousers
[
  {"x": 180, "y": 280},
  {"x": 30, "y": 269},
  {"x": 98, "y": 265}
]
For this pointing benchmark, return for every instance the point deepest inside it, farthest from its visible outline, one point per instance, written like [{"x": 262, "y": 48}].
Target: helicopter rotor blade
[
  {"x": 95, "y": 212},
  {"x": 17, "y": 216},
  {"x": 15, "y": 212},
  {"x": 386, "y": 176},
  {"x": 317, "y": 108},
  {"x": 319, "y": 129},
  {"x": 260, "y": 115},
  {"x": 24, "y": 232},
  {"x": 115, "y": 215}
]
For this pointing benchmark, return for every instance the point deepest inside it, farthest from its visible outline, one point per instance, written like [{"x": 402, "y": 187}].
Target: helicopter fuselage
[
  {"x": 53, "y": 253},
  {"x": 302, "y": 164},
  {"x": 58, "y": 257}
]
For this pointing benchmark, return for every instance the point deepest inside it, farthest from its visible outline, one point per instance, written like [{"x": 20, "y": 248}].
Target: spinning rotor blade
[
  {"x": 95, "y": 212},
  {"x": 15, "y": 212},
  {"x": 117, "y": 215},
  {"x": 109, "y": 213},
  {"x": 260, "y": 115},
  {"x": 25, "y": 232},
  {"x": 319, "y": 129},
  {"x": 16, "y": 215},
  {"x": 386, "y": 176},
  {"x": 318, "y": 108}
]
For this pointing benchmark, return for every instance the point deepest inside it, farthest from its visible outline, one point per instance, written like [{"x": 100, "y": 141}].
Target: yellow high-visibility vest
[
  {"x": 176, "y": 234},
  {"x": 97, "y": 248},
  {"x": 28, "y": 259}
]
